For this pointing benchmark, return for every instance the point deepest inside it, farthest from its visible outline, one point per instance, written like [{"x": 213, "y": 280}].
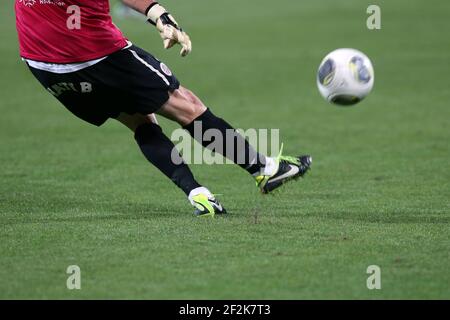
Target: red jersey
[{"x": 66, "y": 31}]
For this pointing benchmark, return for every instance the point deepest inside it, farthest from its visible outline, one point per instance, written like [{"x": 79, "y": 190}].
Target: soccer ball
[{"x": 345, "y": 77}]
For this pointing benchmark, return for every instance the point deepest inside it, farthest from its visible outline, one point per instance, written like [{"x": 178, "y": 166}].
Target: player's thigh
[
  {"x": 83, "y": 97},
  {"x": 189, "y": 95},
  {"x": 183, "y": 107}
]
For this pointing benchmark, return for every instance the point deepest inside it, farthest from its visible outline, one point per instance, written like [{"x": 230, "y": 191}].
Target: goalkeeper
[{"x": 77, "y": 53}]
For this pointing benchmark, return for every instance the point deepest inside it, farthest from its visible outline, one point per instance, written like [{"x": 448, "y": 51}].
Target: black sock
[
  {"x": 161, "y": 152},
  {"x": 242, "y": 153}
]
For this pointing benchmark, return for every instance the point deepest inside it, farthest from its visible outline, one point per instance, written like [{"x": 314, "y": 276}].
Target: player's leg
[
  {"x": 187, "y": 109},
  {"x": 106, "y": 99},
  {"x": 139, "y": 84},
  {"x": 161, "y": 152}
]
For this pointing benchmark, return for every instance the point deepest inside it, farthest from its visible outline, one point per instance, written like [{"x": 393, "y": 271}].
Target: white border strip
[
  {"x": 150, "y": 67},
  {"x": 62, "y": 68}
]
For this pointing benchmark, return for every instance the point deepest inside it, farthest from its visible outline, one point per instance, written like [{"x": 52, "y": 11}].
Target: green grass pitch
[{"x": 378, "y": 194}]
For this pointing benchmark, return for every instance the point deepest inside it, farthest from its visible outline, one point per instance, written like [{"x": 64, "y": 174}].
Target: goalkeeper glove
[{"x": 168, "y": 28}]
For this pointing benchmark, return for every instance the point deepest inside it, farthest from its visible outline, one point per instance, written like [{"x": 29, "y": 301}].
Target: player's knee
[
  {"x": 181, "y": 109},
  {"x": 192, "y": 112},
  {"x": 191, "y": 97},
  {"x": 184, "y": 110},
  {"x": 135, "y": 121}
]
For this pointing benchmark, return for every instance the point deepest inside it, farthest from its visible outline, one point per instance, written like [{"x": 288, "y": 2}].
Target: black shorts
[{"x": 128, "y": 81}]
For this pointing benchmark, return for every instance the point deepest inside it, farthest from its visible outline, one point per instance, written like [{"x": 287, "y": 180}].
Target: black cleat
[{"x": 289, "y": 168}]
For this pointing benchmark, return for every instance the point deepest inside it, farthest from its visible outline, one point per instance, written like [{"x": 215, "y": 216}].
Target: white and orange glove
[{"x": 168, "y": 28}]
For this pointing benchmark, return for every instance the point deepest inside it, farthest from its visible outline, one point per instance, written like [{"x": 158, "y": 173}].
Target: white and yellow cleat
[{"x": 205, "y": 203}]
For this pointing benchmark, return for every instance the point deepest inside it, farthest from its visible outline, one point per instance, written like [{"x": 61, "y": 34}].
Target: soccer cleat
[
  {"x": 281, "y": 170},
  {"x": 205, "y": 204}
]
